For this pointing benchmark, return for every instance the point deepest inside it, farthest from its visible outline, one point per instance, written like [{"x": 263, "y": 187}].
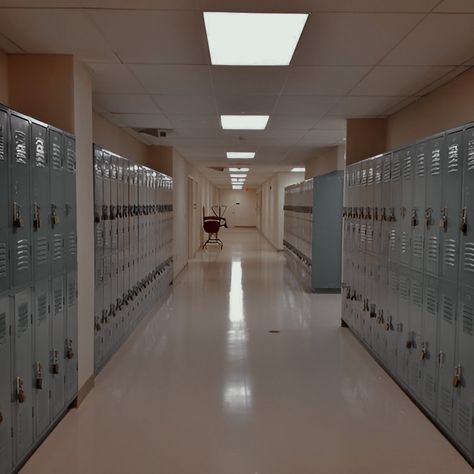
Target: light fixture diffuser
[
  {"x": 298, "y": 170},
  {"x": 238, "y": 175},
  {"x": 237, "y": 187},
  {"x": 240, "y": 155},
  {"x": 238, "y": 170},
  {"x": 244, "y": 122},
  {"x": 253, "y": 39}
]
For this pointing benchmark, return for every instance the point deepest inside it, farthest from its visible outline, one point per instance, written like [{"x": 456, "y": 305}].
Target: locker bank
[{"x": 331, "y": 143}]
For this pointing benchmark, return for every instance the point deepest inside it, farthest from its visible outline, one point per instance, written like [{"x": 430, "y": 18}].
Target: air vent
[
  {"x": 154, "y": 132},
  {"x": 217, "y": 168}
]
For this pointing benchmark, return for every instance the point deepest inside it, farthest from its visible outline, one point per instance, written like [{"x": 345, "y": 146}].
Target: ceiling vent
[
  {"x": 217, "y": 168},
  {"x": 154, "y": 132}
]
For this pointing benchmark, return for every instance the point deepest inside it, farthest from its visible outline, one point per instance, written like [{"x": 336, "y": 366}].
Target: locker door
[
  {"x": 467, "y": 261},
  {"x": 42, "y": 321},
  {"x": 70, "y": 345},
  {"x": 429, "y": 365},
  {"x": 58, "y": 333},
  {"x": 70, "y": 212},
  {"x": 99, "y": 321},
  {"x": 394, "y": 215},
  {"x": 418, "y": 209},
  {"x": 415, "y": 348},
  {"x": 378, "y": 204},
  {"x": 382, "y": 313},
  {"x": 22, "y": 375},
  {"x": 451, "y": 205},
  {"x": 433, "y": 205},
  {"x": 446, "y": 336},
  {"x": 41, "y": 199},
  {"x": 20, "y": 215},
  {"x": 362, "y": 192},
  {"x": 98, "y": 204},
  {"x": 386, "y": 203},
  {"x": 464, "y": 393},
  {"x": 106, "y": 204},
  {"x": 369, "y": 206},
  {"x": 107, "y": 316},
  {"x": 390, "y": 324},
  {"x": 5, "y": 387},
  {"x": 5, "y": 211},
  {"x": 406, "y": 204},
  {"x": 402, "y": 324}
]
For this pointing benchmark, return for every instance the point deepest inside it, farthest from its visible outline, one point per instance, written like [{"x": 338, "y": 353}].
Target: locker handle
[
  {"x": 428, "y": 216},
  {"x": 20, "y": 390},
  {"x": 443, "y": 223},
  {"x": 463, "y": 225},
  {"x": 54, "y": 215},
  {"x": 17, "y": 219},
  {"x": 457, "y": 376},
  {"x": 36, "y": 216},
  {"x": 39, "y": 376}
]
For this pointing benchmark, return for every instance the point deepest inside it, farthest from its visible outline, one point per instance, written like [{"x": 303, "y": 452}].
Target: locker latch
[
  {"x": 112, "y": 212},
  {"x": 391, "y": 215},
  {"x": 457, "y": 376},
  {"x": 464, "y": 220},
  {"x": 36, "y": 216},
  {"x": 383, "y": 217},
  {"x": 414, "y": 218},
  {"x": 376, "y": 214},
  {"x": 54, "y": 215},
  {"x": 443, "y": 223},
  {"x": 20, "y": 390},
  {"x": 441, "y": 357},
  {"x": 373, "y": 313},
  {"x": 69, "y": 351},
  {"x": 380, "y": 317},
  {"x": 423, "y": 354},
  {"x": 55, "y": 363},
  {"x": 403, "y": 211},
  {"x": 17, "y": 219},
  {"x": 67, "y": 209},
  {"x": 1, "y": 417},
  {"x": 428, "y": 217},
  {"x": 105, "y": 213},
  {"x": 389, "y": 325},
  {"x": 39, "y": 376}
]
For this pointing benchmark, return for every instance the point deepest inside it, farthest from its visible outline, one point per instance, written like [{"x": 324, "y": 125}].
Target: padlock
[
  {"x": 20, "y": 391},
  {"x": 423, "y": 354},
  {"x": 39, "y": 376},
  {"x": 105, "y": 213},
  {"x": 372, "y": 312},
  {"x": 414, "y": 218},
  {"x": 54, "y": 215},
  {"x": 443, "y": 223},
  {"x": 55, "y": 363},
  {"x": 428, "y": 217},
  {"x": 69, "y": 351},
  {"x": 463, "y": 225},
  {"x": 36, "y": 216},
  {"x": 457, "y": 377},
  {"x": 96, "y": 217},
  {"x": 17, "y": 219}
]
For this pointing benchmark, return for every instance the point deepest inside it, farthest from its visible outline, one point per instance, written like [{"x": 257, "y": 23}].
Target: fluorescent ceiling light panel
[
  {"x": 238, "y": 170},
  {"x": 298, "y": 170},
  {"x": 237, "y": 175},
  {"x": 244, "y": 122},
  {"x": 253, "y": 39},
  {"x": 240, "y": 155},
  {"x": 237, "y": 187}
]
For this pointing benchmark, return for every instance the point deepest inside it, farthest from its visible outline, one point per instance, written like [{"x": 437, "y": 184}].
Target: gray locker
[
  {"x": 70, "y": 343},
  {"x": 22, "y": 375},
  {"x": 58, "y": 203},
  {"x": 414, "y": 346},
  {"x": 386, "y": 203},
  {"x": 20, "y": 215},
  {"x": 70, "y": 211},
  {"x": 433, "y": 205},
  {"x": 99, "y": 211},
  {"x": 41, "y": 199},
  {"x": 402, "y": 323},
  {"x": 58, "y": 332},
  {"x": 5, "y": 211},
  {"x": 406, "y": 203},
  {"x": 377, "y": 211},
  {"x": 5, "y": 386},
  {"x": 382, "y": 313},
  {"x": 390, "y": 324},
  {"x": 394, "y": 211}
]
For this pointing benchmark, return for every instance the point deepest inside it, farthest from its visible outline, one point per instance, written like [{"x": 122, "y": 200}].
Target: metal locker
[
  {"x": 107, "y": 315},
  {"x": 22, "y": 375},
  {"x": 5, "y": 386},
  {"x": 41, "y": 201},
  {"x": 378, "y": 204},
  {"x": 99, "y": 315},
  {"x": 452, "y": 168},
  {"x": 106, "y": 188},
  {"x": 57, "y": 206},
  {"x": 467, "y": 211},
  {"x": 463, "y": 375},
  {"x": 429, "y": 365},
  {"x": 70, "y": 211},
  {"x": 390, "y": 320},
  {"x": 448, "y": 293},
  {"x": 381, "y": 334},
  {"x": 70, "y": 342},
  {"x": 99, "y": 210},
  {"x": 56, "y": 355},
  {"x": 401, "y": 325},
  {"x": 433, "y": 205},
  {"x": 417, "y": 213},
  {"x": 406, "y": 205},
  {"x": 20, "y": 214},
  {"x": 415, "y": 347},
  {"x": 41, "y": 381},
  {"x": 5, "y": 211},
  {"x": 394, "y": 211},
  {"x": 369, "y": 206},
  {"x": 386, "y": 204}
]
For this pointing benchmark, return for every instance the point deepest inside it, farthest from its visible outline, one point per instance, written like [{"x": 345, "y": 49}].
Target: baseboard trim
[{"x": 83, "y": 392}]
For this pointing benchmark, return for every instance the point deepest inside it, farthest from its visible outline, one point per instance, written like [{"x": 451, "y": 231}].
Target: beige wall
[
  {"x": 241, "y": 207},
  {"x": 365, "y": 138},
  {"x": 160, "y": 158},
  {"x": 325, "y": 161},
  {"x": 3, "y": 79}
]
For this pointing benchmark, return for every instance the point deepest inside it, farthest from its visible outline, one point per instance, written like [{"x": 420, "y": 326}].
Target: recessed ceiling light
[
  {"x": 253, "y": 39},
  {"x": 238, "y": 170},
  {"x": 240, "y": 155},
  {"x": 298, "y": 170},
  {"x": 238, "y": 175},
  {"x": 244, "y": 122},
  {"x": 237, "y": 187}
]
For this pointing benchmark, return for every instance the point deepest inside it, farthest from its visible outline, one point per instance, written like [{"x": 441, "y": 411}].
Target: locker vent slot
[
  {"x": 378, "y": 174},
  {"x": 448, "y": 310},
  {"x": 404, "y": 287},
  {"x": 57, "y": 247},
  {"x": 450, "y": 252},
  {"x": 435, "y": 162},
  {"x": 42, "y": 308},
  {"x": 393, "y": 282},
  {"x": 22, "y": 318},
  {"x": 3, "y": 260},
  {"x": 416, "y": 292},
  {"x": 393, "y": 239},
  {"x": 370, "y": 178},
  {"x": 431, "y": 300},
  {"x": 363, "y": 228},
  {"x": 404, "y": 242},
  {"x": 464, "y": 420},
  {"x": 2, "y": 143},
  {"x": 3, "y": 328},
  {"x": 417, "y": 250},
  {"x": 470, "y": 155},
  {"x": 386, "y": 172},
  {"x": 40, "y": 155},
  {"x": 41, "y": 250},
  {"x": 420, "y": 165},
  {"x": 469, "y": 257},
  {"x": 98, "y": 236},
  {"x": 432, "y": 251},
  {"x": 396, "y": 170},
  {"x": 20, "y": 147},
  {"x": 58, "y": 300},
  {"x": 445, "y": 402},
  {"x": 23, "y": 254},
  {"x": 468, "y": 320},
  {"x": 453, "y": 158},
  {"x": 57, "y": 160},
  {"x": 407, "y": 164},
  {"x": 428, "y": 388},
  {"x": 72, "y": 243},
  {"x": 71, "y": 161},
  {"x": 370, "y": 235}
]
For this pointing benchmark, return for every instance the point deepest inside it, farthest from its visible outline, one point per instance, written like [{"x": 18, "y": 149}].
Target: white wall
[{"x": 241, "y": 207}]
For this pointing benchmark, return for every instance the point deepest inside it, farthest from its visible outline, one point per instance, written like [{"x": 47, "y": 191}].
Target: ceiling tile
[
  {"x": 332, "y": 81},
  {"x": 291, "y": 122},
  {"x": 114, "y": 78},
  {"x": 351, "y": 38},
  {"x": 126, "y": 103},
  {"x": 109, "y": 4},
  {"x": 323, "y": 137},
  {"x": 444, "y": 80},
  {"x": 186, "y": 104},
  {"x": 196, "y": 122},
  {"x": 144, "y": 120},
  {"x": 174, "y": 79},
  {"x": 400, "y": 105},
  {"x": 248, "y": 80},
  {"x": 441, "y": 39},
  {"x": 245, "y": 104},
  {"x": 171, "y": 37},
  {"x": 363, "y": 106},
  {"x": 308, "y": 106},
  {"x": 331, "y": 124},
  {"x": 455, "y": 6},
  {"x": 399, "y": 80},
  {"x": 51, "y": 31}
]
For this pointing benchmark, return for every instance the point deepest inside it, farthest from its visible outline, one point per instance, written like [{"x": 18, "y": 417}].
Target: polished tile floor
[{"x": 203, "y": 387}]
